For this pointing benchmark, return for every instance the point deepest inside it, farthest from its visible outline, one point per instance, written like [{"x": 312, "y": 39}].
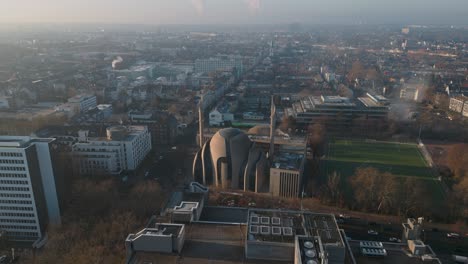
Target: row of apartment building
[
  {"x": 459, "y": 104},
  {"x": 123, "y": 149}
]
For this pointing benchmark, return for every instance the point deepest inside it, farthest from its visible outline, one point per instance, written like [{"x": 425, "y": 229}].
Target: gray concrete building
[{"x": 28, "y": 195}]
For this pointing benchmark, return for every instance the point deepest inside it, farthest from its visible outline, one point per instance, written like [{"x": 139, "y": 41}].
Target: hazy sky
[{"x": 235, "y": 11}]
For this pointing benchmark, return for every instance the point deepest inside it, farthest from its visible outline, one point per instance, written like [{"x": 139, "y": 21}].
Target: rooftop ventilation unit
[
  {"x": 275, "y": 221},
  {"x": 265, "y": 230},
  {"x": 374, "y": 252},
  {"x": 254, "y": 219},
  {"x": 265, "y": 220},
  {"x": 370, "y": 244},
  {"x": 310, "y": 253},
  {"x": 287, "y": 231},
  {"x": 308, "y": 244},
  {"x": 275, "y": 230},
  {"x": 253, "y": 229}
]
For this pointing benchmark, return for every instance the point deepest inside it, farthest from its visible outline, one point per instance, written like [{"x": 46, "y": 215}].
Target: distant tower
[
  {"x": 272, "y": 129},
  {"x": 201, "y": 122},
  {"x": 271, "y": 53}
]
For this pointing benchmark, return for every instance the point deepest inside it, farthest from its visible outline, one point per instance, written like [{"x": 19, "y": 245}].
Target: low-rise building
[
  {"x": 222, "y": 114},
  {"x": 409, "y": 93},
  {"x": 5, "y": 101},
  {"x": 160, "y": 238},
  {"x": 220, "y": 117},
  {"x": 253, "y": 116},
  {"x": 338, "y": 113},
  {"x": 124, "y": 148},
  {"x": 459, "y": 104},
  {"x": 271, "y": 235},
  {"x": 286, "y": 174},
  {"x": 105, "y": 109},
  {"x": 161, "y": 125}
]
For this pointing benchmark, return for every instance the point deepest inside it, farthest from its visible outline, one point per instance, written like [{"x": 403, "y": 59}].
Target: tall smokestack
[
  {"x": 201, "y": 122},
  {"x": 272, "y": 129}
]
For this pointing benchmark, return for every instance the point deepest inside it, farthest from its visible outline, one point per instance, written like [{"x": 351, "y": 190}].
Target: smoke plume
[{"x": 117, "y": 61}]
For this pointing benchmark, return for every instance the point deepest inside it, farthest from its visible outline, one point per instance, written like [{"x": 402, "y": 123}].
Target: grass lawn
[{"x": 400, "y": 159}]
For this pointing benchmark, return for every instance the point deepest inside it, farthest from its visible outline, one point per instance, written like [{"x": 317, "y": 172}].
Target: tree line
[{"x": 97, "y": 220}]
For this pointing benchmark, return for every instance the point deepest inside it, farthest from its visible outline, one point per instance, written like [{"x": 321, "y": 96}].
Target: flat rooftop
[
  {"x": 224, "y": 214},
  {"x": 287, "y": 161},
  {"x": 186, "y": 206},
  {"x": 368, "y": 102},
  {"x": 282, "y": 226},
  {"x": 279, "y": 140},
  {"x": 80, "y": 97},
  {"x": 163, "y": 229},
  {"x": 20, "y": 141},
  {"x": 180, "y": 196},
  {"x": 310, "y": 103},
  {"x": 395, "y": 254},
  {"x": 207, "y": 243}
]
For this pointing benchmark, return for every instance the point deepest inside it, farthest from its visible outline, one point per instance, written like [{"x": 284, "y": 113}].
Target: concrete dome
[
  {"x": 230, "y": 160},
  {"x": 229, "y": 149}
]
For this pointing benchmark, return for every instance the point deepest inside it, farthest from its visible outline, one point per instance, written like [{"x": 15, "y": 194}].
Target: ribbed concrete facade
[{"x": 230, "y": 160}]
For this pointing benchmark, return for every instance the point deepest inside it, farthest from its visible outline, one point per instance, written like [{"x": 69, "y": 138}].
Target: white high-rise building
[
  {"x": 28, "y": 195},
  {"x": 124, "y": 148},
  {"x": 83, "y": 103}
]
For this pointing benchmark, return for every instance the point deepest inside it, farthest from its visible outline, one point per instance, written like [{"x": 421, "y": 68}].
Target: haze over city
[
  {"x": 234, "y": 131},
  {"x": 236, "y": 11}
]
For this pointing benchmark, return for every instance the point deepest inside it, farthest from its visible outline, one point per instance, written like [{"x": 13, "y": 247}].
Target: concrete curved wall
[
  {"x": 218, "y": 150},
  {"x": 228, "y": 159},
  {"x": 239, "y": 146}
]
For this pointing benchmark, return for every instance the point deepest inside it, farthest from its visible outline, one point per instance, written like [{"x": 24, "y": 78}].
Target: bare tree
[
  {"x": 357, "y": 71},
  {"x": 288, "y": 124},
  {"x": 374, "y": 190},
  {"x": 334, "y": 187},
  {"x": 316, "y": 135},
  {"x": 457, "y": 159}
]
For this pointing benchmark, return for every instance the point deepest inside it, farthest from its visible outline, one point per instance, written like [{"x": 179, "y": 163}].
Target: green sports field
[
  {"x": 345, "y": 156},
  {"x": 400, "y": 159}
]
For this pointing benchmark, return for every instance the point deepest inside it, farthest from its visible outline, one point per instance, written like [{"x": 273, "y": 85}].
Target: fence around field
[
  {"x": 427, "y": 156},
  {"x": 425, "y": 153}
]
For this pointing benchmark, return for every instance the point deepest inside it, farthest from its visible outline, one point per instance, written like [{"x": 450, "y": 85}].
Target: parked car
[
  {"x": 372, "y": 232},
  {"x": 453, "y": 235},
  {"x": 343, "y": 216},
  {"x": 394, "y": 240}
]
